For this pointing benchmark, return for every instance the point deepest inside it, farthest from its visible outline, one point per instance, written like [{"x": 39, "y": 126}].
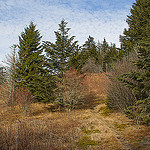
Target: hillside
[{"x": 91, "y": 126}]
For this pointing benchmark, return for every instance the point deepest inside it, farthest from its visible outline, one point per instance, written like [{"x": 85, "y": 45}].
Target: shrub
[
  {"x": 140, "y": 112},
  {"x": 71, "y": 90},
  {"x": 119, "y": 96},
  {"x": 24, "y": 98}
]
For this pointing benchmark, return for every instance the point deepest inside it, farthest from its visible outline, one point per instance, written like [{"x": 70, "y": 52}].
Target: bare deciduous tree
[
  {"x": 7, "y": 92},
  {"x": 24, "y": 98},
  {"x": 71, "y": 90}
]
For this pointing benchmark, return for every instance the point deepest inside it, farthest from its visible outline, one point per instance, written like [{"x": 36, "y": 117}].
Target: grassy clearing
[{"x": 92, "y": 126}]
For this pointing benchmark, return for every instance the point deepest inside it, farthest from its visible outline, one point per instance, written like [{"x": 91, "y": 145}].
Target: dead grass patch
[
  {"x": 138, "y": 136},
  {"x": 83, "y": 128}
]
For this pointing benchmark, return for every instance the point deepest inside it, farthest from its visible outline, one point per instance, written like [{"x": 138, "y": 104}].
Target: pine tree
[
  {"x": 88, "y": 54},
  {"x": 138, "y": 23},
  {"x": 104, "y": 52},
  {"x": 31, "y": 72},
  {"x": 112, "y": 54},
  {"x": 138, "y": 39},
  {"x": 89, "y": 49},
  {"x": 139, "y": 35},
  {"x": 60, "y": 53},
  {"x": 140, "y": 81}
]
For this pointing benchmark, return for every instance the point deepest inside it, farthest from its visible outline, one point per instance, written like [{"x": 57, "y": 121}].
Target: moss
[
  {"x": 120, "y": 126},
  {"x": 90, "y": 131},
  {"x": 92, "y": 127},
  {"x": 86, "y": 141},
  {"x": 105, "y": 111},
  {"x": 106, "y": 131},
  {"x": 86, "y": 117}
]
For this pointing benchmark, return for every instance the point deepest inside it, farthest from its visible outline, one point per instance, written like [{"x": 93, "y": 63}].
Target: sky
[{"x": 97, "y": 18}]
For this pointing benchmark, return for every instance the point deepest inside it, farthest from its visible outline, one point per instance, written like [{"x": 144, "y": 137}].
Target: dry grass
[
  {"x": 41, "y": 130},
  {"x": 91, "y": 127},
  {"x": 138, "y": 137},
  {"x": 97, "y": 83}
]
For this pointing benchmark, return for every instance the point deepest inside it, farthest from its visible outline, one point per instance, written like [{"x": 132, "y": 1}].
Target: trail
[
  {"x": 117, "y": 124},
  {"x": 113, "y": 136},
  {"x": 124, "y": 142}
]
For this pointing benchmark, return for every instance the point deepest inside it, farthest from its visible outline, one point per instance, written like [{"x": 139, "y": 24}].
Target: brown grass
[
  {"x": 91, "y": 127},
  {"x": 39, "y": 131},
  {"x": 96, "y": 83}
]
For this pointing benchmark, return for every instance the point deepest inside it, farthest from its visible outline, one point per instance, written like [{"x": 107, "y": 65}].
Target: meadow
[{"x": 91, "y": 126}]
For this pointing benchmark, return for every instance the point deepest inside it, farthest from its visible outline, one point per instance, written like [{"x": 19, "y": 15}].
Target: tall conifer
[
  {"x": 31, "y": 72},
  {"x": 60, "y": 53},
  {"x": 139, "y": 25},
  {"x": 138, "y": 38}
]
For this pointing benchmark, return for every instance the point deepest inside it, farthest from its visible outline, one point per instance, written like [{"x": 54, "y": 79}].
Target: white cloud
[{"x": 47, "y": 14}]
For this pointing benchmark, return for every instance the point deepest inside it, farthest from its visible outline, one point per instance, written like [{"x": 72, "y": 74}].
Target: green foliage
[
  {"x": 86, "y": 141},
  {"x": 137, "y": 38},
  {"x": 105, "y": 111},
  {"x": 60, "y": 53},
  {"x": 88, "y": 51},
  {"x": 97, "y": 56},
  {"x": 138, "y": 23},
  {"x": 140, "y": 112},
  {"x": 140, "y": 81},
  {"x": 90, "y": 131},
  {"x": 31, "y": 70}
]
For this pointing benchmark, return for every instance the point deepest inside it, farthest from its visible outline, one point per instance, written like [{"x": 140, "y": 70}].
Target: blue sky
[{"x": 98, "y": 18}]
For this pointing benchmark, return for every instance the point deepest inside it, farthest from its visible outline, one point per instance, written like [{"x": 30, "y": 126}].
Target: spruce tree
[
  {"x": 60, "y": 53},
  {"x": 31, "y": 72},
  {"x": 89, "y": 49},
  {"x": 139, "y": 25},
  {"x": 139, "y": 35},
  {"x": 138, "y": 39},
  {"x": 88, "y": 53},
  {"x": 112, "y": 54},
  {"x": 104, "y": 57}
]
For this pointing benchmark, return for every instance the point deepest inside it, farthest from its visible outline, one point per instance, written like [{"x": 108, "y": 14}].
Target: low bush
[{"x": 119, "y": 96}]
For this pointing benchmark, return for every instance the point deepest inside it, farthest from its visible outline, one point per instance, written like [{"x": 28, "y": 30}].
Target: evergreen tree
[
  {"x": 31, "y": 72},
  {"x": 112, "y": 54},
  {"x": 139, "y": 35},
  {"x": 89, "y": 49},
  {"x": 88, "y": 53},
  {"x": 139, "y": 82},
  {"x": 138, "y": 39},
  {"x": 60, "y": 53},
  {"x": 75, "y": 59},
  {"x": 138, "y": 23},
  {"x": 104, "y": 52}
]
